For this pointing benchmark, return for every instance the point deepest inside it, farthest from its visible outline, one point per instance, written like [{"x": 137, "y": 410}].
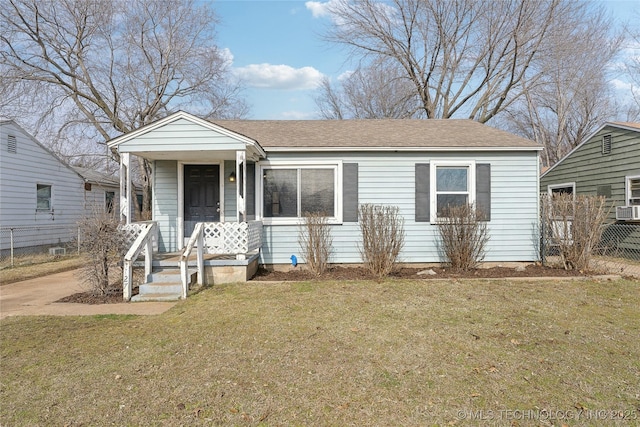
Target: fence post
[
  {"x": 78, "y": 240},
  {"x": 11, "y": 244}
]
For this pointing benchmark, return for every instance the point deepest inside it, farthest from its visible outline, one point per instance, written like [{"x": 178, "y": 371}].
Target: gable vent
[
  {"x": 606, "y": 144},
  {"x": 12, "y": 144}
]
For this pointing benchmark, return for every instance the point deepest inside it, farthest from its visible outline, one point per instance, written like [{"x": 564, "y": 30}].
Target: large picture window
[{"x": 289, "y": 192}]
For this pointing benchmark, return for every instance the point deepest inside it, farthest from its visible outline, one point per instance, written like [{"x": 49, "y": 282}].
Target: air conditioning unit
[
  {"x": 57, "y": 251},
  {"x": 628, "y": 213}
]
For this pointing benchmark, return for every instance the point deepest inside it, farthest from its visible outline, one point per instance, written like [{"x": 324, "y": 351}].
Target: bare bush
[
  {"x": 103, "y": 246},
  {"x": 573, "y": 226},
  {"x": 382, "y": 230},
  {"x": 463, "y": 237},
  {"x": 316, "y": 242}
]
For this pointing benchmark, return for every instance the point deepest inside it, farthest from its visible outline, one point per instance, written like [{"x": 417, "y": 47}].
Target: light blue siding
[
  {"x": 229, "y": 192},
  {"x": 165, "y": 204},
  {"x": 389, "y": 179},
  {"x": 181, "y": 135}
]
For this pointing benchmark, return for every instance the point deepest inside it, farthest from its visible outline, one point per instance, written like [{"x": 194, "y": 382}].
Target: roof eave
[
  {"x": 587, "y": 139},
  {"x": 397, "y": 149}
]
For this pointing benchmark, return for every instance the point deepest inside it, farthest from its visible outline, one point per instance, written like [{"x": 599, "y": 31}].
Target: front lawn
[{"x": 400, "y": 352}]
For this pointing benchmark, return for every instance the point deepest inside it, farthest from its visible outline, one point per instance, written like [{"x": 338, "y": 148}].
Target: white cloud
[
  {"x": 318, "y": 9},
  {"x": 345, "y": 75},
  {"x": 621, "y": 84},
  {"x": 227, "y": 56},
  {"x": 269, "y": 76}
]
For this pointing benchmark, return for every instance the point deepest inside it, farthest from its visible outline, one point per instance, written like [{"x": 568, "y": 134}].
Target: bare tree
[
  {"x": 464, "y": 58},
  {"x": 111, "y": 65},
  {"x": 376, "y": 91},
  {"x": 632, "y": 65},
  {"x": 572, "y": 97}
]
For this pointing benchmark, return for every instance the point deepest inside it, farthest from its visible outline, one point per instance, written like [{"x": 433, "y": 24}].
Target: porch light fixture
[{"x": 232, "y": 177}]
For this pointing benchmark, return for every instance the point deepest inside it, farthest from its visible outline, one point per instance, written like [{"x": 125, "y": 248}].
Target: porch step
[
  {"x": 163, "y": 284},
  {"x": 155, "y": 297},
  {"x": 161, "y": 288}
]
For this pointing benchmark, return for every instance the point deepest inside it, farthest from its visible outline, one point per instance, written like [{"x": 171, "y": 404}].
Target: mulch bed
[
  {"x": 91, "y": 298},
  {"x": 359, "y": 273}
]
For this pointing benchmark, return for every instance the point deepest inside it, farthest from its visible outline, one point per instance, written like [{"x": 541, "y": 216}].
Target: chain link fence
[
  {"x": 37, "y": 243},
  {"x": 617, "y": 251}
]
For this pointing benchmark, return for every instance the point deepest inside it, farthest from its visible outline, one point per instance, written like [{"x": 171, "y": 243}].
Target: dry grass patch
[
  {"x": 332, "y": 353},
  {"x": 37, "y": 266}
]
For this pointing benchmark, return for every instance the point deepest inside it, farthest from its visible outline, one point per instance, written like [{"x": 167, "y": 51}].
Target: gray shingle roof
[
  {"x": 97, "y": 177},
  {"x": 392, "y": 133}
]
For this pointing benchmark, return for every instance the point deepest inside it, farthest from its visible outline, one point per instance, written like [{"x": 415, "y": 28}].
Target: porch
[{"x": 216, "y": 252}]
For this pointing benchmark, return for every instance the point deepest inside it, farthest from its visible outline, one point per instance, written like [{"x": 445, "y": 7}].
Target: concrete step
[
  {"x": 155, "y": 297},
  {"x": 161, "y": 288},
  {"x": 164, "y": 275}
]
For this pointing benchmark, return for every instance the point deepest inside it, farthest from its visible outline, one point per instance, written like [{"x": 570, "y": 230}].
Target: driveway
[{"x": 37, "y": 297}]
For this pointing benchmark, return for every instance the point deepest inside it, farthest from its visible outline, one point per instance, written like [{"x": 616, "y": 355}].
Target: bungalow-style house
[
  {"x": 41, "y": 196},
  {"x": 241, "y": 187},
  {"x": 605, "y": 164}
]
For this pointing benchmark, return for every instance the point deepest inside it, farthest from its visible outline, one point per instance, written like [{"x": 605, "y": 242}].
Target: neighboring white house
[
  {"x": 41, "y": 197},
  {"x": 271, "y": 172}
]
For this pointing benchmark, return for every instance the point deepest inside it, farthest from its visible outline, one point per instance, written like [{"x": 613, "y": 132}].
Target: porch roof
[{"x": 182, "y": 136}]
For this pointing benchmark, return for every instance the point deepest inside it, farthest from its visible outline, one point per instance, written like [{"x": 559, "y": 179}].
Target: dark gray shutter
[
  {"x": 483, "y": 191},
  {"x": 250, "y": 200},
  {"x": 422, "y": 192},
  {"x": 350, "y": 192}
]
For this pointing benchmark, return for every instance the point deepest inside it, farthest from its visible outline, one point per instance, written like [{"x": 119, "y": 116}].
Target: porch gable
[{"x": 182, "y": 136}]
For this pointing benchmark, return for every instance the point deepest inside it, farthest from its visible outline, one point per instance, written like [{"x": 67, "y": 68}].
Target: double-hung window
[
  {"x": 291, "y": 191},
  {"x": 453, "y": 184},
  {"x": 633, "y": 190},
  {"x": 43, "y": 194}
]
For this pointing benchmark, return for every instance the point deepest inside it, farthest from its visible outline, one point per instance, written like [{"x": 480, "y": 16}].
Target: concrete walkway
[{"x": 37, "y": 297}]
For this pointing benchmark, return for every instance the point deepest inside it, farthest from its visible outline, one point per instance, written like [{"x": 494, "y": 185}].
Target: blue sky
[{"x": 277, "y": 49}]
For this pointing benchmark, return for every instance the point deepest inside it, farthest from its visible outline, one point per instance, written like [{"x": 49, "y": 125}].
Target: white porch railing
[
  {"x": 197, "y": 241},
  {"x": 141, "y": 236},
  {"x": 219, "y": 238},
  {"x": 232, "y": 238}
]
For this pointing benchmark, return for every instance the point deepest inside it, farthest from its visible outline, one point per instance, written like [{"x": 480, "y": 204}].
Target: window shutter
[
  {"x": 350, "y": 192},
  {"x": 422, "y": 192},
  {"x": 250, "y": 198},
  {"x": 483, "y": 191}
]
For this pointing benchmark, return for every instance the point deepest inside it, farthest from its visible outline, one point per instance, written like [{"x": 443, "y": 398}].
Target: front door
[{"x": 201, "y": 195}]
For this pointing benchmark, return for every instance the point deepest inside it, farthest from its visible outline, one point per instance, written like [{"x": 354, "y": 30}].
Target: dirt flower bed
[
  {"x": 359, "y": 273},
  {"x": 113, "y": 297}
]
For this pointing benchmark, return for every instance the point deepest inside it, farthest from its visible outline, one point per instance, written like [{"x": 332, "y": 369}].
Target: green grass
[{"x": 334, "y": 353}]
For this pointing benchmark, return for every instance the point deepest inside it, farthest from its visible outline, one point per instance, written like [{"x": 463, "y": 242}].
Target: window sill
[{"x": 293, "y": 221}]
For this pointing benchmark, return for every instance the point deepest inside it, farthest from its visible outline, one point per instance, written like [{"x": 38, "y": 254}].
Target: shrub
[
  {"x": 573, "y": 226},
  {"x": 382, "y": 230},
  {"x": 103, "y": 246},
  {"x": 463, "y": 237},
  {"x": 316, "y": 242}
]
